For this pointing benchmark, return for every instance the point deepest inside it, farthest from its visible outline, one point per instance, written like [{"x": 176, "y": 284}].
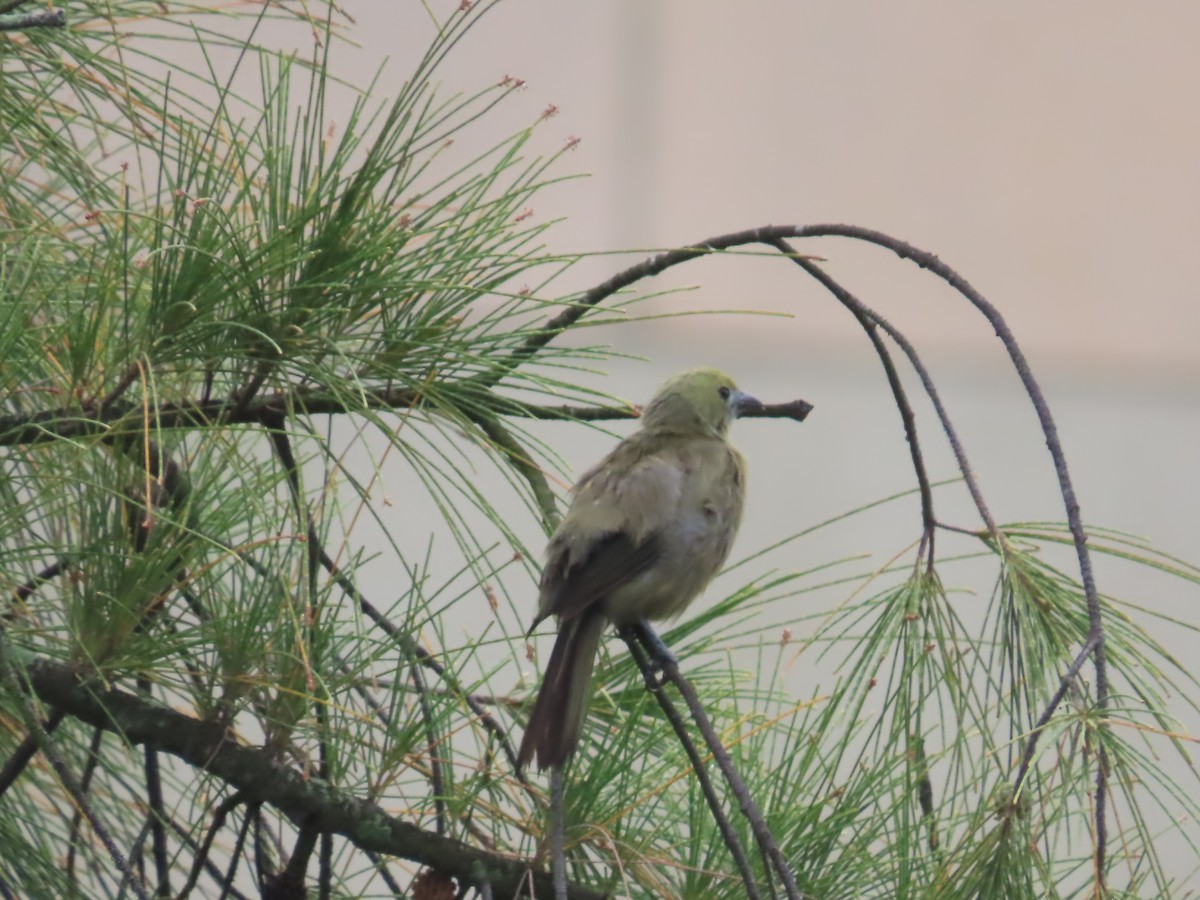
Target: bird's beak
[{"x": 744, "y": 404}]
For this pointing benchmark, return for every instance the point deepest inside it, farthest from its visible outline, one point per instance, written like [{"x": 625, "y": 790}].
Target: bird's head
[{"x": 698, "y": 400}]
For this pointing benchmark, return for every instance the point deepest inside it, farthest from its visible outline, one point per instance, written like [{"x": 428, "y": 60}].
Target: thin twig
[
  {"x": 89, "y": 771},
  {"x": 223, "y": 809},
  {"x": 209, "y": 866},
  {"x": 1095, "y": 638},
  {"x": 437, "y": 781},
  {"x": 1064, "y": 685},
  {"x": 631, "y": 635},
  {"x": 26, "y": 750},
  {"x": 758, "y": 823},
  {"x": 325, "y": 849},
  {"x": 264, "y": 862},
  {"x": 156, "y": 815},
  {"x": 869, "y": 320},
  {"x": 925, "y": 791},
  {"x": 796, "y": 410},
  {"x": 24, "y": 591},
  {"x": 381, "y": 867},
  {"x": 123, "y": 384},
  {"x": 316, "y": 551},
  {"x": 861, "y": 309},
  {"x": 236, "y": 855}
]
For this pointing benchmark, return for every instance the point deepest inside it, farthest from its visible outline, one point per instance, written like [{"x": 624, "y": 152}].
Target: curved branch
[
  {"x": 862, "y": 311},
  {"x": 871, "y": 323},
  {"x": 591, "y": 298},
  {"x": 1095, "y": 638},
  {"x": 773, "y": 235}
]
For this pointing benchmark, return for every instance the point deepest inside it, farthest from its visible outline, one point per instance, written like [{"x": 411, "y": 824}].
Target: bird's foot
[{"x": 661, "y": 655}]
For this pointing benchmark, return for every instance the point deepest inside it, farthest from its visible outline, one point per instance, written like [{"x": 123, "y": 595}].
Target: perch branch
[{"x": 632, "y": 636}]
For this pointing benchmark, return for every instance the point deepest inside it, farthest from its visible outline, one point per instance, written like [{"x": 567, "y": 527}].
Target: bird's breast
[{"x": 694, "y": 547}]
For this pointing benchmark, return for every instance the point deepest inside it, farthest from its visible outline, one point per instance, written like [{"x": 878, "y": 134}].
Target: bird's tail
[{"x": 561, "y": 705}]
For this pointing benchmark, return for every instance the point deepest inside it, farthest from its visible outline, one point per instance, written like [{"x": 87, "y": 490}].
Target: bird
[{"x": 647, "y": 528}]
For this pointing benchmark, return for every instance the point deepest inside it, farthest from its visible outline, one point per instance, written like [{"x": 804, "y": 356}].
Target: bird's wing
[
  {"x": 611, "y": 532},
  {"x": 611, "y": 561}
]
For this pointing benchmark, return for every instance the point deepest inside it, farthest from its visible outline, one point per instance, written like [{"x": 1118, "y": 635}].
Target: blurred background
[
  {"x": 1047, "y": 152},
  {"x": 1050, "y": 153}
]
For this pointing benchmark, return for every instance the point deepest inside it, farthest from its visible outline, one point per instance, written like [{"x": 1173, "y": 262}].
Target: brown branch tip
[{"x": 794, "y": 409}]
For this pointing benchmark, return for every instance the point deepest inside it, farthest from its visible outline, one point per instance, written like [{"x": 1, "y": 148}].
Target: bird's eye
[{"x": 724, "y": 392}]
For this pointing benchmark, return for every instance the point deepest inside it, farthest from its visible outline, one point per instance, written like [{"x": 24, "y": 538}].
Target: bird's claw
[{"x": 661, "y": 655}]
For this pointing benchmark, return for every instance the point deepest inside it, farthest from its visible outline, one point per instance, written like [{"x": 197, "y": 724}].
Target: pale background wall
[{"x": 1048, "y": 152}]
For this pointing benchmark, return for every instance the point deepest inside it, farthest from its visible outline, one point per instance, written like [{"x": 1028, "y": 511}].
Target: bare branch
[{"x": 44, "y": 18}]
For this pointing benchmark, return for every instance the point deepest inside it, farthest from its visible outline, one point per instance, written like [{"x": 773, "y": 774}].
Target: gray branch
[
  {"x": 262, "y": 778},
  {"x": 43, "y": 18}
]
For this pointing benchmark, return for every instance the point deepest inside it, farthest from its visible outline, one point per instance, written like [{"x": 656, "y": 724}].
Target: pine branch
[{"x": 261, "y": 778}]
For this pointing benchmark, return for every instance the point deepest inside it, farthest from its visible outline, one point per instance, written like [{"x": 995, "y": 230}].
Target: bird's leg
[
  {"x": 649, "y": 652},
  {"x": 661, "y": 654}
]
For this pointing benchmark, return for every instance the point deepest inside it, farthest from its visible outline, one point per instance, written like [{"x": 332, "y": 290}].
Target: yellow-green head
[{"x": 700, "y": 401}]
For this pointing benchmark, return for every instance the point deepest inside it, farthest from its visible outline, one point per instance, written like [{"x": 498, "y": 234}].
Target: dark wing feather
[{"x": 571, "y": 587}]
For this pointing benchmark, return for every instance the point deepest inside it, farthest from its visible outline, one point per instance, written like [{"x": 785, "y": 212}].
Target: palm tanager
[{"x": 646, "y": 530}]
